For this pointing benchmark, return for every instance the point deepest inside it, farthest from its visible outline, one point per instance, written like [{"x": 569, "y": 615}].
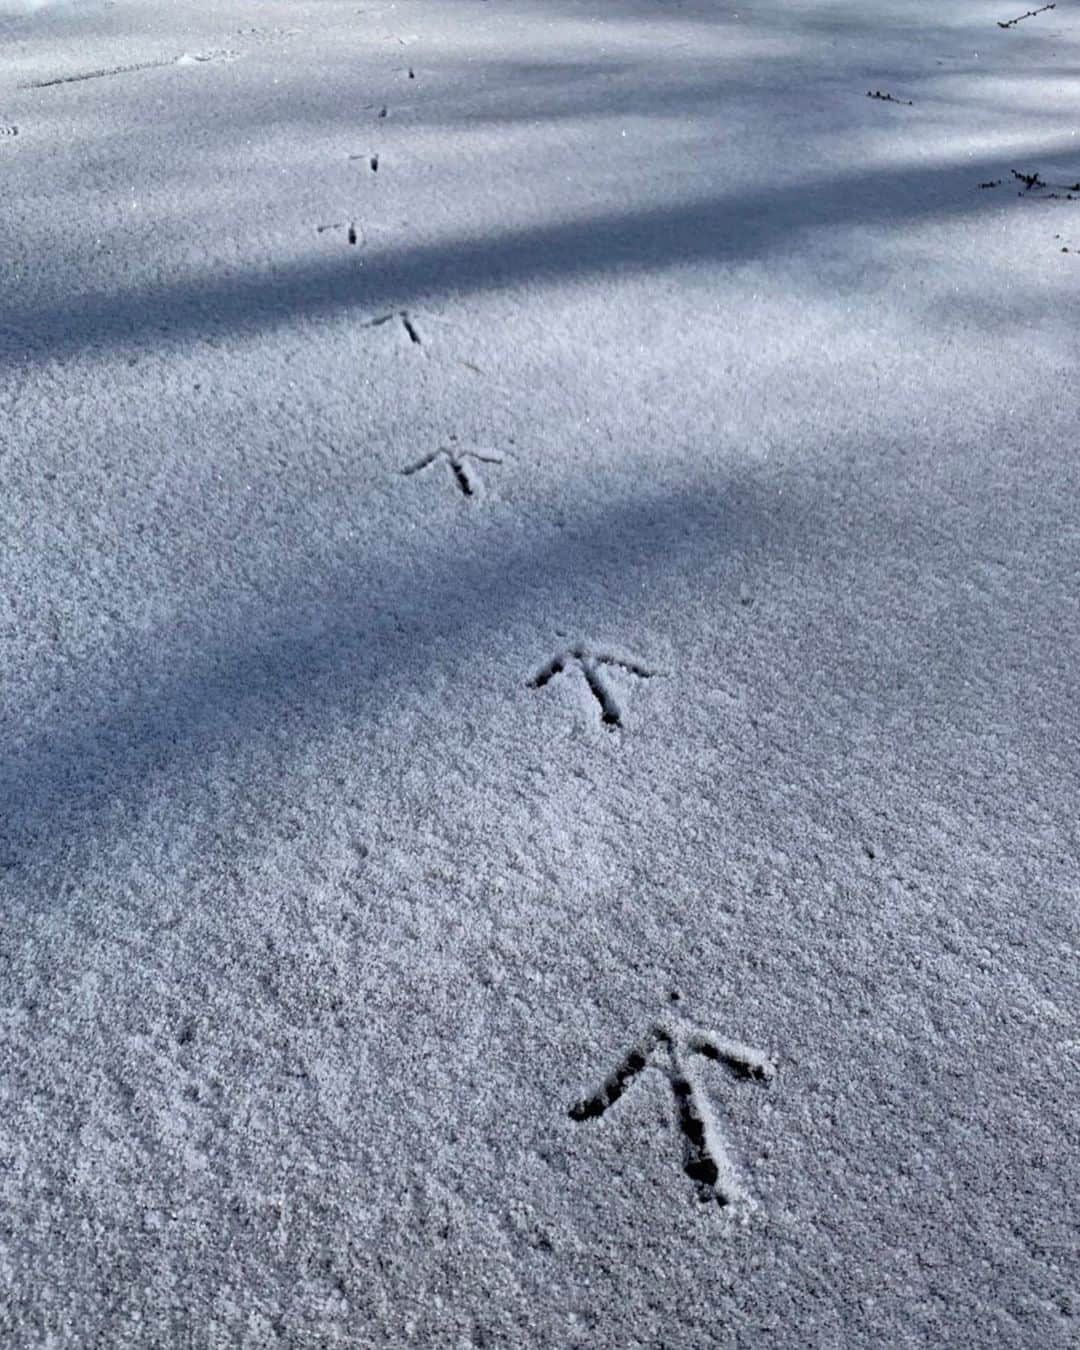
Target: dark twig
[
  {"x": 1011, "y": 23},
  {"x": 1064, "y": 192}
]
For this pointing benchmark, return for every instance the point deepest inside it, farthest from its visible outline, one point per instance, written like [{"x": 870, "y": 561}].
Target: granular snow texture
[{"x": 540, "y": 653}]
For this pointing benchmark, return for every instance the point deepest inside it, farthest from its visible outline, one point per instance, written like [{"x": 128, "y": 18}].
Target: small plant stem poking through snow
[
  {"x": 1033, "y": 183},
  {"x": 1030, "y": 14},
  {"x": 889, "y": 98}
]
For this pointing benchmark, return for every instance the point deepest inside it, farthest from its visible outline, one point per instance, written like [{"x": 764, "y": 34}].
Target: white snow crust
[{"x": 539, "y": 535}]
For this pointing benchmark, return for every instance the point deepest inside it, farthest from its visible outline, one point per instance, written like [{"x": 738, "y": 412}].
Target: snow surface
[{"x": 360, "y": 984}]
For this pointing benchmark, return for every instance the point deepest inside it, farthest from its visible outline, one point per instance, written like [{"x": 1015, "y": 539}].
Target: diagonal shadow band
[
  {"x": 340, "y": 652},
  {"x": 724, "y": 229}
]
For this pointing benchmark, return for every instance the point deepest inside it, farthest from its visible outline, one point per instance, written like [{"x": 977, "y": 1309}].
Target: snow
[{"x": 322, "y": 911}]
